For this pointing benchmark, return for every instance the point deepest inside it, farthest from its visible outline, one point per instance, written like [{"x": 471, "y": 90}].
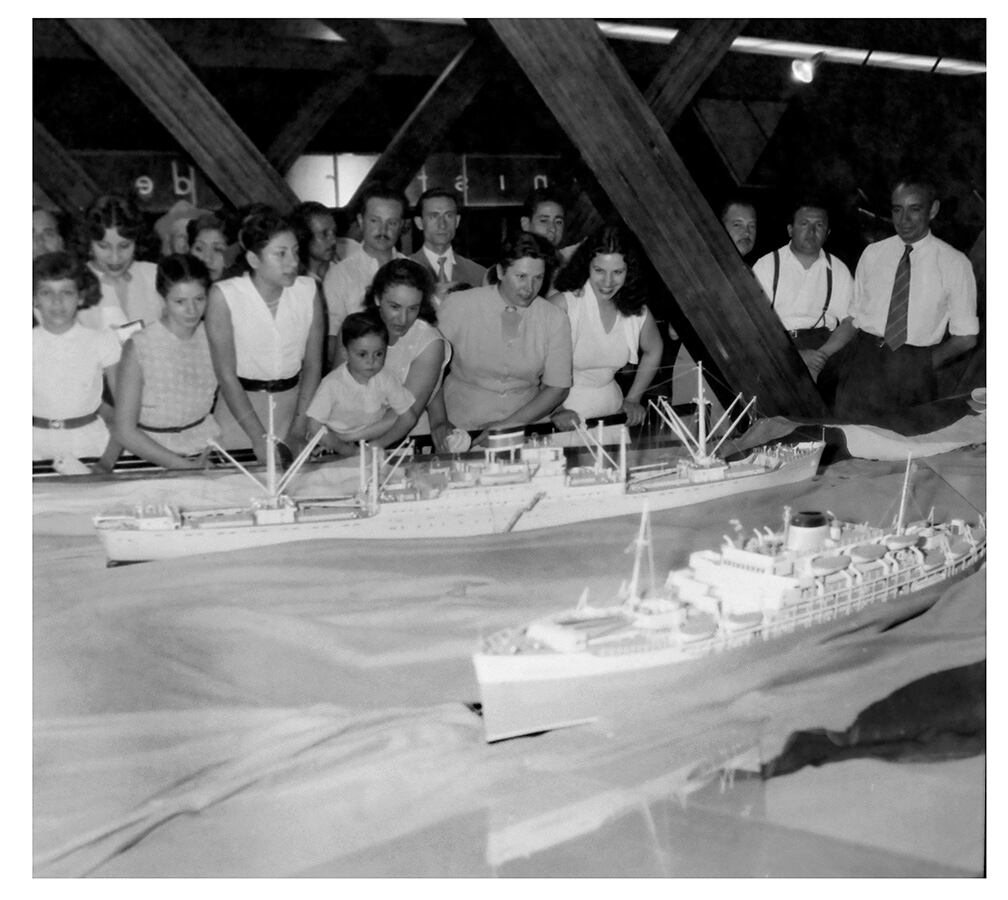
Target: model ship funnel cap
[
  {"x": 809, "y": 519},
  {"x": 807, "y": 531}
]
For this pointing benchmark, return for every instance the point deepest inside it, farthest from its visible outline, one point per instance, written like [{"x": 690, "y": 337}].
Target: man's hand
[{"x": 814, "y": 361}]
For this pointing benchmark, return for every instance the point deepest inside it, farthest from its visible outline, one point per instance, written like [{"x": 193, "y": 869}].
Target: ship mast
[
  {"x": 701, "y": 410},
  {"x": 643, "y": 540},
  {"x": 271, "y": 479},
  {"x": 903, "y": 497}
]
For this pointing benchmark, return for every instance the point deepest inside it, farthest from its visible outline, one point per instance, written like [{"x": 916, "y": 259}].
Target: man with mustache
[{"x": 381, "y": 218}]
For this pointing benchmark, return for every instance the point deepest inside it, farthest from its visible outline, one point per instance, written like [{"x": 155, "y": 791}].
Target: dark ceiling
[{"x": 849, "y": 129}]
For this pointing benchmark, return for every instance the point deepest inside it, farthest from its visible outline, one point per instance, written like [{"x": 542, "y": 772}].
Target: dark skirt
[{"x": 866, "y": 379}]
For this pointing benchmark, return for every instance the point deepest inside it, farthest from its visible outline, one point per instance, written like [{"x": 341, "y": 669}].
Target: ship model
[
  {"x": 520, "y": 483},
  {"x": 725, "y": 611}
]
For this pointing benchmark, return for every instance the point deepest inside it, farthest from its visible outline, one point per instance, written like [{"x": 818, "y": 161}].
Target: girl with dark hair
[
  {"x": 603, "y": 293},
  {"x": 266, "y": 329},
  {"x": 166, "y": 385},
  {"x": 511, "y": 349},
  {"x": 111, "y": 229},
  {"x": 208, "y": 241},
  {"x": 69, "y": 365}
]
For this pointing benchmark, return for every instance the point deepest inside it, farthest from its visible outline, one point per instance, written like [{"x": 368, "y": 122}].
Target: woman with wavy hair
[{"x": 602, "y": 290}]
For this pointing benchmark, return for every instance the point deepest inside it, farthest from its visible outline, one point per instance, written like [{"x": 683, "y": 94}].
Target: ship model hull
[
  {"x": 718, "y": 627},
  {"x": 541, "y": 502},
  {"x": 516, "y": 702}
]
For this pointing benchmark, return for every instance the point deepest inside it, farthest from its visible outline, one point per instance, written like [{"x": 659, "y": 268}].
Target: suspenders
[{"x": 829, "y": 284}]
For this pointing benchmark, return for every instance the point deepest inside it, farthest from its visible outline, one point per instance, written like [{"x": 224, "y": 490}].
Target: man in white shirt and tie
[
  {"x": 381, "y": 218},
  {"x": 909, "y": 291},
  {"x": 438, "y": 217},
  {"x": 808, "y": 288}
]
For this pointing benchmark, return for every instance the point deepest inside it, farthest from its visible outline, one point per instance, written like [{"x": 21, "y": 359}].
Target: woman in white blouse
[
  {"x": 603, "y": 294},
  {"x": 266, "y": 329},
  {"x": 129, "y": 298}
]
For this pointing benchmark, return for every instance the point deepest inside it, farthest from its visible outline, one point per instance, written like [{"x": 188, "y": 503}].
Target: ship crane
[{"x": 697, "y": 447}]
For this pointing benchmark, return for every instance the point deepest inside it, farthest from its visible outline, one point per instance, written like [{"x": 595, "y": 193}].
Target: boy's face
[
  {"x": 57, "y": 303},
  {"x": 366, "y": 357},
  {"x": 547, "y": 221}
]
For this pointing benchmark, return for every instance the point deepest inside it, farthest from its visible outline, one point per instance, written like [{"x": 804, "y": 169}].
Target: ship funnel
[{"x": 807, "y": 531}]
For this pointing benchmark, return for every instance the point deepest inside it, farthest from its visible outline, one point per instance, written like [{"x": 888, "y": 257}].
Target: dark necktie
[
  {"x": 896, "y": 321},
  {"x": 441, "y": 269}
]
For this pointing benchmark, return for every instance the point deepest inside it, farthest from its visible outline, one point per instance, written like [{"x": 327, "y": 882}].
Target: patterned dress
[{"x": 178, "y": 387}]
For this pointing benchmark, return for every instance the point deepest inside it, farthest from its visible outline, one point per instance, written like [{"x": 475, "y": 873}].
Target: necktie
[
  {"x": 441, "y": 269},
  {"x": 896, "y": 321}
]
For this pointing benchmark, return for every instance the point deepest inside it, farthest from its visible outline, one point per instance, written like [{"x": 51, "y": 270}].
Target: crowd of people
[{"x": 290, "y": 316}]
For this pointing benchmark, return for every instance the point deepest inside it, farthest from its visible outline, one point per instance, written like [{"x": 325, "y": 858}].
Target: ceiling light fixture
[
  {"x": 651, "y": 34},
  {"x": 803, "y": 70}
]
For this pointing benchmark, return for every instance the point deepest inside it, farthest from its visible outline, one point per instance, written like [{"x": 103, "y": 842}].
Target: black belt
[
  {"x": 57, "y": 424},
  {"x": 271, "y": 387},
  {"x": 794, "y": 332},
  {"x": 173, "y": 429}
]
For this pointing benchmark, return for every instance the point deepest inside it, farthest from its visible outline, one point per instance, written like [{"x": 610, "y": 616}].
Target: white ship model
[
  {"x": 717, "y": 617},
  {"x": 519, "y": 484}
]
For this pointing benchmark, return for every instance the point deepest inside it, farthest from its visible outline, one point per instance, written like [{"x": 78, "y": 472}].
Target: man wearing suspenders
[{"x": 809, "y": 289}]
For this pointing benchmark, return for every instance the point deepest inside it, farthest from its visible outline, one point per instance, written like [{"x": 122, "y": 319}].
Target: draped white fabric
[{"x": 301, "y": 710}]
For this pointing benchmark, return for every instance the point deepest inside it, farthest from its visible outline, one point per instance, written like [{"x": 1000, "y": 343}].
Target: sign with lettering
[
  {"x": 484, "y": 179},
  {"x": 158, "y": 180}
]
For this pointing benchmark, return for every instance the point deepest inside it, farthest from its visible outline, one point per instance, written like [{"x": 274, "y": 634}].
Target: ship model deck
[{"x": 519, "y": 484}]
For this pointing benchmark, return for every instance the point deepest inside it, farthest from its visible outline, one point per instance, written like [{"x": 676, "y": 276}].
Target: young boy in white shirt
[{"x": 359, "y": 400}]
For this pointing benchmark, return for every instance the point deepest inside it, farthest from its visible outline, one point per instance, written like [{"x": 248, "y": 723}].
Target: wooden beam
[
  {"x": 606, "y": 118},
  {"x": 190, "y": 113},
  {"x": 59, "y": 174},
  {"x": 425, "y": 129},
  {"x": 695, "y": 54},
  {"x": 248, "y": 50},
  {"x": 312, "y": 116},
  {"x": 365, "y": 38},
  {"x": 368, "y": 48}
]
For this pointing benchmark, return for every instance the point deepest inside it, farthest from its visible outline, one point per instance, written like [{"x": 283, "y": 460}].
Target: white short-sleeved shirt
[
  {"x": 801, "y": 292},
  {"x": 345, "y": 284},
  {"x": 67, "y": 370},
  {"x": 269, "y": 347},
  {"x": 942, "y": 290},
  {"x": 132, "y": 298},
  {"x": 67, "y": 373},
  {"x": 345, "y": 405}
]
